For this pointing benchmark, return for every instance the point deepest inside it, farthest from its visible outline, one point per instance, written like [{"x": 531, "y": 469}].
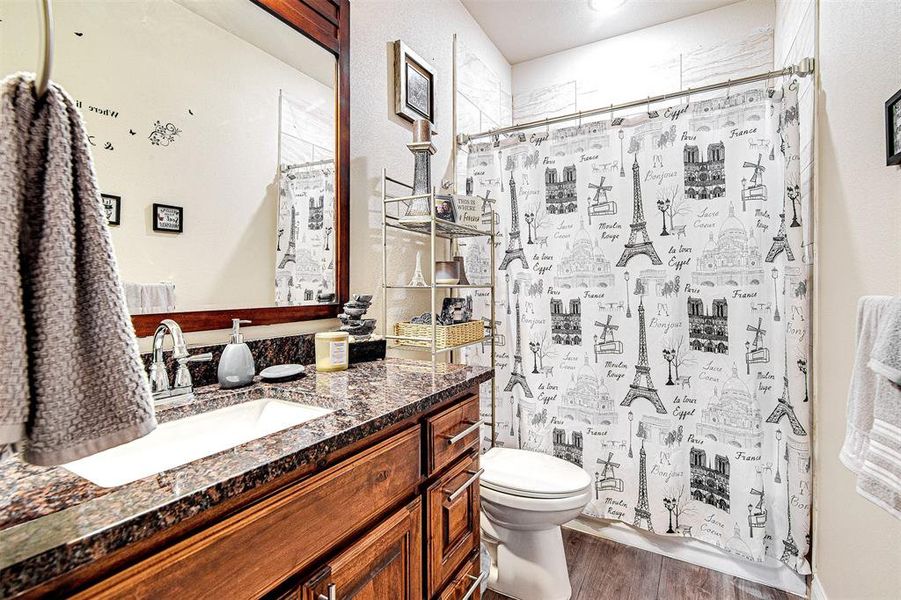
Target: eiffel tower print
[
  {"x": 517, "y": 377},
  {"x": 643, "y": 510},
  {"x": 789, "y": 548},
  {"x": 642, "y": 386},
  {"x": 780, "y": 243},
  {"x": 514, "y": 246},
  {"x": 290, "y": 255},
  {"x": 638, "y": 226},
  {"x": 785, "y": 409}
]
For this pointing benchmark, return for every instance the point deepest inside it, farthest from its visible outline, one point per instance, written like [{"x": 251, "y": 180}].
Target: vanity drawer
[
  {"x": 452, "y": 432},
  {"x": 250, "y": 553},
  {"x": 452, "y": 518},
  {"x": 467, "y": 585}
]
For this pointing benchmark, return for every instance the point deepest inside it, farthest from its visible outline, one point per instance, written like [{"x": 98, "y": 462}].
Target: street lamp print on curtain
[{"x": 653, "y": 315}]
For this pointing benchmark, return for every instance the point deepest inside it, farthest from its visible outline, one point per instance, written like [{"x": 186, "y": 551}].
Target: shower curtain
[{"x": 653, "y": 327}]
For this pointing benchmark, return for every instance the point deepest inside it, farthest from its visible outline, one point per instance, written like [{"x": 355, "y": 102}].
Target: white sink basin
[{"x": 185, "y": 440}]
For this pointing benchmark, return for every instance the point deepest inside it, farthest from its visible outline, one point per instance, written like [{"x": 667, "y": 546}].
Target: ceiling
[{"x": 526, "y": 29}]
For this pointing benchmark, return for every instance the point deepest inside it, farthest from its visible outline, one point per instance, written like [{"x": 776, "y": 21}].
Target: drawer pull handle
[
  {"x": 456, "y": 493},
  {"x": 331, "y": 593},
  {"x": 472, "y": 427},
  {"x": 475, "y": 585}
]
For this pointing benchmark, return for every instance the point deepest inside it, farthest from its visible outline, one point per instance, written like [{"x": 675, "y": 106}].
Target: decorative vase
[{"x": 447, "y": 272}]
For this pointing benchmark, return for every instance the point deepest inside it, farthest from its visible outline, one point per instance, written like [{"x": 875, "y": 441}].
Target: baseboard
[
  {"x": 771, "y": 573},
  {"x": 816, "y": 589}
]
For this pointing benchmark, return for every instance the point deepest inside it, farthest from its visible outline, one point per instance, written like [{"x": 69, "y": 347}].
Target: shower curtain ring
[
  {"x": 580, "y": 119},
  {"x": 728, "y": 89},
  {"x": 648, "y": 107},
  {"x": 547, "y": 127},
  {"x": 688, "y": 101}
]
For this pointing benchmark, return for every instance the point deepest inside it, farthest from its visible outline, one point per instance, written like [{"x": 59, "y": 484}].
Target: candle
[
  {"x": 422, "y": 131},
  {"x": 331, "y": 351}
]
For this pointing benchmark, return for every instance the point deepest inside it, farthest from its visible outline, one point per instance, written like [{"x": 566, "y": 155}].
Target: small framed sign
[
  {"x": 414, "y": 85},
  {"x": 112, "y": 206},
  {"x": 893, "y": 130},
  {"x": 168, "y": 218}
]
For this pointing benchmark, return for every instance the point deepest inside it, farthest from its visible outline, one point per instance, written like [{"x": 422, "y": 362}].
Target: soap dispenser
[{"x": 236, "y": 367}]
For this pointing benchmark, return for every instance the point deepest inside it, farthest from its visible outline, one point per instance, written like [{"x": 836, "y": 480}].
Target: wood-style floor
[{"x": 603, "y": 570}]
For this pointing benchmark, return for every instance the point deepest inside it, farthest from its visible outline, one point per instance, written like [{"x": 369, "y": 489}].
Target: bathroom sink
[{"x": 179, "y": 442}]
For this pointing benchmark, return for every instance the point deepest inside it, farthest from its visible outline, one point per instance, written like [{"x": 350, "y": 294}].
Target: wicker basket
[{"x": 446, "y": 336}]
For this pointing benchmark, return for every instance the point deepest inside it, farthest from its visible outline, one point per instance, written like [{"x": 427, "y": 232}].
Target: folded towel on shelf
[
  {"x": 872, "y": 447},
  {"x": 71, "y": 377}
]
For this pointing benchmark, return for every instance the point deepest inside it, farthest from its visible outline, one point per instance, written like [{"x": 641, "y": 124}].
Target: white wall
[
  {"x": 712, "y": 46},
  {"x": 857, "y": 546},
  {"x": 378, "y": 137}
]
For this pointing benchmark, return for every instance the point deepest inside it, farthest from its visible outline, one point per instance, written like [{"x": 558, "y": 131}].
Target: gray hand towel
[{"x": 71, "y": 378}]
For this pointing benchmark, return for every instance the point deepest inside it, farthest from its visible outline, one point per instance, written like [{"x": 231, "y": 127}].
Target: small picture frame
[
  {"x": 893, "y": 130},
  {"x": 446, "y": 208},
  {"x": 455, "y": 311},
  {"x": 414, "y": 85},
  {"x": 168, "y": 218},
  {"x": 112, "y": 207}
]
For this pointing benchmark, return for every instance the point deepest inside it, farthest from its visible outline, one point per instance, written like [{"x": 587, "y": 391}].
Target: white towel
[
  {"x": 71, "y": 377},
  {"x": 872, "y": 447},
  {"x": 158, "y": 297}
]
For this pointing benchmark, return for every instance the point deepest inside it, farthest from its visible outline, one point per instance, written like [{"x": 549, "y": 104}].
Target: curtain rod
[{"x": 802, "y": 69}]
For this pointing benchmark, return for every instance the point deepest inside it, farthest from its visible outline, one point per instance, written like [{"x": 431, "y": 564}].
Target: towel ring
[{"x": 42, "y": 77}]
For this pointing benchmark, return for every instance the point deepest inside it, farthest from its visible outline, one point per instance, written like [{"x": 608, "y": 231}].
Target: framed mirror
[{"x": 224, "y": 172}]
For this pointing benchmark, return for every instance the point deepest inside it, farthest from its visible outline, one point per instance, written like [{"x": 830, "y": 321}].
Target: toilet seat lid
[{"x": 531, "y": 474}]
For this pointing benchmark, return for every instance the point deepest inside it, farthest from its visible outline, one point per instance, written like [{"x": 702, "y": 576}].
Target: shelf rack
[{"x": 435, "y": 229}]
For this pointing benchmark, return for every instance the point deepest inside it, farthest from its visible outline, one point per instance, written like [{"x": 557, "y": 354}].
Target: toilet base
[{"x": 527, "y": 565}]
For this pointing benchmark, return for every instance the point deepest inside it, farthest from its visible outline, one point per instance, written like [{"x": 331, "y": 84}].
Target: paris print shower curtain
[{"x": 653, "y": 315}]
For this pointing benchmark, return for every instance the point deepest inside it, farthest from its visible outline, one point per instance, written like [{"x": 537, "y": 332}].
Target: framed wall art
[
  {"x": 893, "y": 130},
  {"x": 112, "y": 207},
  {"x": 414, "y": 85},
  {"x": 168, "y": 218}
]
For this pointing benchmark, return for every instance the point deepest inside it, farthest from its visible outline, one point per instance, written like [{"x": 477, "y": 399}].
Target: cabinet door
[
  {"x": 384, "y": 563},
  {"x": 453, "y": 521}
]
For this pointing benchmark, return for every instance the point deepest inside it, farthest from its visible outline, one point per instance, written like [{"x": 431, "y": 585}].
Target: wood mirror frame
[{"x": 326, "y": 22}]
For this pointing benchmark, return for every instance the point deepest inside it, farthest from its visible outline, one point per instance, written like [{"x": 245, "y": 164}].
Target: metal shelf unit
[{"x": 435, "y": 229}]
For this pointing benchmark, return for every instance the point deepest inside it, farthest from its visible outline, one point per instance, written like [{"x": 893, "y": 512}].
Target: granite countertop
[{"x": 53, "y": 521}]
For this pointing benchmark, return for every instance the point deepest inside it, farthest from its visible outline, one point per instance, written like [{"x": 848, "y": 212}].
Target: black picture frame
[
  {"x": 446, "y": 208},
  {"x": 164, "y": 219},
  {"x": 893, "y": 130},
  {"x": 414, "y": 85},
  {"x": 112, "y": 206}
]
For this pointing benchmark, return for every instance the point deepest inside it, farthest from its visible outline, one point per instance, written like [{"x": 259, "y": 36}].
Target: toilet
[{"x": 526, "y": 496}]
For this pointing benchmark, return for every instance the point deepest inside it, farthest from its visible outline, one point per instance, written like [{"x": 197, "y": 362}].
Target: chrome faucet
[{"x": 159, "y": 378}]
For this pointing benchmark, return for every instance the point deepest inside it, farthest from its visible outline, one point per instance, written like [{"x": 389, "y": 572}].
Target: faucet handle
[{"x": 183, "y": 375}]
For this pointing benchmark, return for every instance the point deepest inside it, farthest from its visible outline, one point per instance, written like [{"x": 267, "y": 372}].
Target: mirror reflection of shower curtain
[
  {"x": 305, "y": 248},
  {"x": 656, "y": 271}
]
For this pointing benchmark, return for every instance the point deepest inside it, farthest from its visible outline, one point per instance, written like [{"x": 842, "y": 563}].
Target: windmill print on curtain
[{"x": 653, "y": 315}]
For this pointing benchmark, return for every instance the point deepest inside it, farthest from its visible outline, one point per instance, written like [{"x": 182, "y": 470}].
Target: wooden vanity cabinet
[{"x": 397, "y": 518}]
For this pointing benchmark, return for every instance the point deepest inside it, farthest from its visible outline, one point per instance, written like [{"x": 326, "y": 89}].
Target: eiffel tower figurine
[
  {"x": 642, "y": 386},
  {"x": 780, "y": 243},
  {"x": 638, "y": 226},
  {"x": 290, "y": 253},
  {"x": 785, "y": 409},
  {"x": 517, "y": 377},
  {"x": 643, "y": 510},
  {"x": 789, "y": 548},
  {"x": 514, "y": 246}
]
